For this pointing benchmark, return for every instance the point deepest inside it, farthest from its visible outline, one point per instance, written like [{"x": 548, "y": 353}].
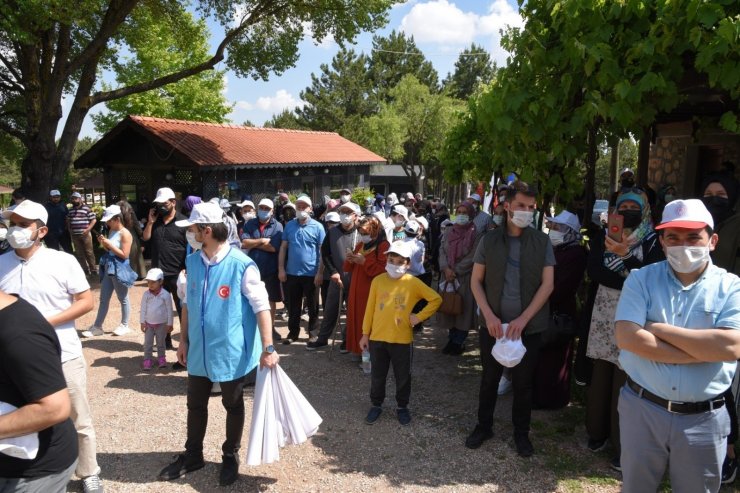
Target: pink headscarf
[{"x": 460, "y": 238}]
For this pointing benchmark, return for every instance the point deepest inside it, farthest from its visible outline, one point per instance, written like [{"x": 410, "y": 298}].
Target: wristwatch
[{"x": 270, "y": 349}]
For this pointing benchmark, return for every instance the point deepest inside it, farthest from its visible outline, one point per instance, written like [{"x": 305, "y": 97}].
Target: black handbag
[{"x": 562, "y": 326}]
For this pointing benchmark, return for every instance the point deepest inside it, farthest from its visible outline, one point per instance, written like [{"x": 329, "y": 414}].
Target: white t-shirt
[{"x": 49, "y": 281}]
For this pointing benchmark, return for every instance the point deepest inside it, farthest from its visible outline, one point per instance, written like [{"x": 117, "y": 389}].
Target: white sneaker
[
  {"x": 92, "y": 332},
  {"x": 304, "y": 317},
  {"x": 121, "y": 330},
  {"x": 92, "y": 484},
  {"x": 504, "y": 386}
]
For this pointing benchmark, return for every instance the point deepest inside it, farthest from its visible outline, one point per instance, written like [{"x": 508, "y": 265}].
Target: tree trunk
[
  {"x": 591, "y": 157},
  {"x": 643, "y": 157},
  {"x": 614, "y": 168}
]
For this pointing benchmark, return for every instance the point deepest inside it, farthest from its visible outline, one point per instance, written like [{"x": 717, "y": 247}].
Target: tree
[
  {"x": 472, "y": 68},
  {"x": 198, "y": 98},
  {"x": 286, "y": 119},
  {"x": 50, "y": 50},
  {"x": 395, "y": 57},
  {"x": 338, "y": 92},
  {"x": 11, "y": 156},
  {"x": 412, "y": 127}
]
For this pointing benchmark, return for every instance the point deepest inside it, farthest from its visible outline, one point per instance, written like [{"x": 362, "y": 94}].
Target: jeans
[
  {"x": 522, "y": 381},
  {"x": 53, "y": 483},
  {"x": 296, "y": 288},
  {"x": 75, "y": 373},
  {"x": 107, "y": 286},
  {"x": 199, "y": 391},
  {"x": 382, "y": 355},
  {"x": 160, "y": 332}
]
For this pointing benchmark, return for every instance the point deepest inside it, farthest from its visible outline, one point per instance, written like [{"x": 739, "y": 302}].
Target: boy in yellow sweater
[{"x": 387, "y": 328}]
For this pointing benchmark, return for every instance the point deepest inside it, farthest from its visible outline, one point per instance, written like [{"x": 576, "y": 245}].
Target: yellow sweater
[{"x": 389, "y": 308}]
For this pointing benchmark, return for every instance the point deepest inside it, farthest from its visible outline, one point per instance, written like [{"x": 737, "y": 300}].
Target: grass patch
[{"x": 576, "y": 485}]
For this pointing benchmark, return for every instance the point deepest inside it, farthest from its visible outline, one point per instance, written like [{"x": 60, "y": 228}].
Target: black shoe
[
  {"x": 479, "y": 435},
  {"x": 523, "y": 446},
  {"x": 318, "y": 343},
  {"x": 729, "y": 470},
  {"x": 290, "y": 340},
  {"x": 229, "y": 470},
  {"x": 447, "y": 348},
  {"x": 276, "y": 337},
  {"x": 183, "y": 464},
  {"x": 343, "y": 348},
  {"x": 177, "y": 366},
  {"x": 616, "y": 464},
  {"x": 456, "y": 349},
  {"x": 373, "y": 414},
  {"x": 404, "y": 416},
  {"x": 596, "y": 445}
]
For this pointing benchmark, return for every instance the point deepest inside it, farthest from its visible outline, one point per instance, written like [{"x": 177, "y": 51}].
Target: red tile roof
[{"x": 214, "y": 144}]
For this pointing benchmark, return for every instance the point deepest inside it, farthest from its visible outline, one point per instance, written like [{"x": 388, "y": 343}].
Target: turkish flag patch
[{"x": 224, "y": 292}]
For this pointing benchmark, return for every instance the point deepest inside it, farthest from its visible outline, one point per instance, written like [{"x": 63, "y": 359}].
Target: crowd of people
[{"x": 624, "y": 304}]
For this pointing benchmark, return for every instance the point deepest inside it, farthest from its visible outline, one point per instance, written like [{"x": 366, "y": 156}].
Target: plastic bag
[{"x": 507, "y": 352}]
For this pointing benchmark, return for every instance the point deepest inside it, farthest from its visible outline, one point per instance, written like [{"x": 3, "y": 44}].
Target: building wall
[{"x": 682, "y": 157}]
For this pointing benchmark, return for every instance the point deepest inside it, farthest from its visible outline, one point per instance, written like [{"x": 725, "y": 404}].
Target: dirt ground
[{"x": 140, "y": 423}]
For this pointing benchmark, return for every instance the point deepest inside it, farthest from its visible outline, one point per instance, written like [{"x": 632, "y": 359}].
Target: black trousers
[
  {"x": 732, "y": 411},
  {"x": 382, "y": 355},
  {"x": 298, "y": 287},
  {"x": 170, "y": 284},
  {"x": 199, "y": 391},
  {"x": 522, "y": 380}
]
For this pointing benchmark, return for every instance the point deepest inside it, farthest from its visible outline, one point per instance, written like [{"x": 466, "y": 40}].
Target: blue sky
[{"x": 441, "y": 29}]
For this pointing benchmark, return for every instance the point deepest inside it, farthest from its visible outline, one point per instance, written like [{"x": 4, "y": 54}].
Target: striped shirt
[{"x": 80, "y": 218}]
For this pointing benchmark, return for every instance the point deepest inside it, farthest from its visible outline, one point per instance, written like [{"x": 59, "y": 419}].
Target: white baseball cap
[
  {"x": 76, "y": 195},
  {"x": 423, "y": 222},
  {"x": 353, "y": 208},
  {"x": 401, "y": 210},
  {"x": 246, "y": 203},
  {"x": 567, "y": 218},
  {"x": 475, "y": 197},
  {"x": 110, "y": 212},
  {"x": 412, "y": 228},
  {"x": 164, "y": 194},
  {"x": 203, "y": 213},
  {"x": 332, "y": 217},
  {"x": 55, "y": 193},
  {"x": 305, "y": 199},
  {"x": 687, "y": 214},
  {"x": 225, "y": 204},
  {"x": 400, "y": 248},
  {"x": 30, "y": 210},
  {"x": 154, "y": 274},
  {"x": 266, "y": 202}
]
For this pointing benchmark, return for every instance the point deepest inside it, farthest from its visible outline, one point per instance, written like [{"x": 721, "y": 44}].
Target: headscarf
[
  {"x": 727, "y": 181},
  {"x": 460, "y": 238},
  {"x": 636, "y": 237},
  {"x": 190, "y": 201}
]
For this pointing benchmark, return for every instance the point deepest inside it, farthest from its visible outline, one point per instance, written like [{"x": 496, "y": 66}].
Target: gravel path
[{"x": 140, "y": 423}]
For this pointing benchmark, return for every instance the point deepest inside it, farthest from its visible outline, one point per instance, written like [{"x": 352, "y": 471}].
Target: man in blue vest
[
  {"x": 513, "y": 276},
  {"x": 225, "y": 303}
]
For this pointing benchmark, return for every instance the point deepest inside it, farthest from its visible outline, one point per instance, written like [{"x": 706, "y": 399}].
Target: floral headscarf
[{"x": 637, "y": 236}]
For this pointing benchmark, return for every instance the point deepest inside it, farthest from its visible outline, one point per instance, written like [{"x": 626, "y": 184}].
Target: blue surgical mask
[{"x": 264, "y": 215}]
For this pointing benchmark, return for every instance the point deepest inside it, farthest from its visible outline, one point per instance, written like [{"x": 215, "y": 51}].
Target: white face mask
[
  {"x": 556, "y": 237},
  {"x": 301, "y": 215},
  {"x": 365, "y": 239},
  {"x": 346, "y": 219},
  {"x": 20, "y": 238},
  {"x": 399, "y": 222},
  {"x": 522, "y": 219},
  {"x": 345, "y": 198},
  {"x": 462, "y": 219},
  {"x": 3, "y": 233},
  {"x": 249, "y": 215},
  {"x": 687, "y": 259},
  {"x": 498, "y": 220},
  {"x": 395, "y": 271},
  {"x": 194, "y": 244}
]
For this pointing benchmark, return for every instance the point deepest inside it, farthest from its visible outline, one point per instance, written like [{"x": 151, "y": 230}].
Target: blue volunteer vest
[{"x": 224, "y": 342}]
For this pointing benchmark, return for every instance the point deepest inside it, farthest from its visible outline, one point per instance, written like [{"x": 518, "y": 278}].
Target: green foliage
[
  {"x": 392, "y": 59},
  {"x": 580, "y": 67},
  {"x": 11, "y": 155},
  {"x": 162, "y": 44},
  {"x": 286, "y": 119},
  {"x": 360, "y": 194},
  {"x": 472, "y": 69}
]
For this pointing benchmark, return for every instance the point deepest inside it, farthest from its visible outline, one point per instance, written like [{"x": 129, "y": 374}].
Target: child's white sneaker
[{"x": 92, "y": 331}]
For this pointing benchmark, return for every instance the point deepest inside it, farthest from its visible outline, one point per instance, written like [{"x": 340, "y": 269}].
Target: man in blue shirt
[
  {"x": 678, "y": 328},
  {"x": 299, "y": 263},
  {"x": 262, "y": 237}
]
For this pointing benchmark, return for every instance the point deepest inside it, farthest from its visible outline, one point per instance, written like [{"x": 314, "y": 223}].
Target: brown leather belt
[{"x": 677, "y": 407}]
